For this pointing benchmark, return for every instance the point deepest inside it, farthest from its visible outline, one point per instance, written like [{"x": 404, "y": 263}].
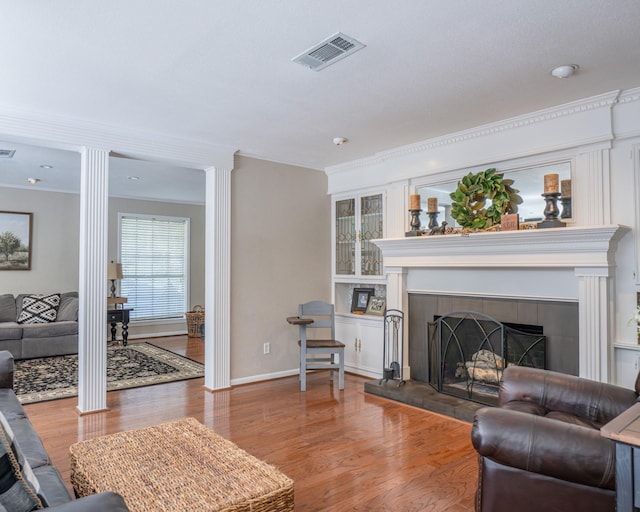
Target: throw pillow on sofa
[
  {"x": 39, "y": 309},
  {"x": 19, "y": 487}
]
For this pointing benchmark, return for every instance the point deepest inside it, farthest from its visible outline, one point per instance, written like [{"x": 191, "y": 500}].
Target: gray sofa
[
  {"x": 29, "y": 340},
  {"x": 27, "y": 445}
]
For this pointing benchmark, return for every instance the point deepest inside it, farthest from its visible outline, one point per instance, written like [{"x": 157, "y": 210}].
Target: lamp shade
[{"x": 114, "y": 271}]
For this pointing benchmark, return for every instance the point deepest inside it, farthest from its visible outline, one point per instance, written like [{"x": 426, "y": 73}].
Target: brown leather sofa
[{"x": 541, "y": 448}]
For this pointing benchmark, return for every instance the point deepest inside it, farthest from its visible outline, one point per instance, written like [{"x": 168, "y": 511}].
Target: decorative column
[
  {"x": 92, "y": 314},
  {"x": 217, "y": 370},
  {"x": 398, "y": 298},
  {"x": 592, "y": 180},
  {"x": 594, "y": 324}
]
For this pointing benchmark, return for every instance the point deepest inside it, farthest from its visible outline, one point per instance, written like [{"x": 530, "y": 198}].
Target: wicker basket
[{"x": 195, "y": 320}]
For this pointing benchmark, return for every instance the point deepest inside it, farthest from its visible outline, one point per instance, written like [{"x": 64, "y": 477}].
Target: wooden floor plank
[{"x": 345, "y": 450}]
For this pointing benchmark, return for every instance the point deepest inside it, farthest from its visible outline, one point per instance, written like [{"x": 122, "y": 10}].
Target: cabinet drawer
[{"x": 114, "y": 317}]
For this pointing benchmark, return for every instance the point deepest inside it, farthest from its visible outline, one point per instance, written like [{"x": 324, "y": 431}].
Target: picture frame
[
  {"x": 377, "y": 305},
  {"x": 15, "y": 240},
  {"x": 360, "y": 300}
]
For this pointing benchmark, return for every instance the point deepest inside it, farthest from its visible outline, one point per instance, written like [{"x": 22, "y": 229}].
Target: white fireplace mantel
[
  {"x": 575, "y": 247},
  {"x": 589, "y": 250}
]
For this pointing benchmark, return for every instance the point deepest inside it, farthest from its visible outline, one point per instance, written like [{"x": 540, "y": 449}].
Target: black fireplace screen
[{"x": 468, "y": 352}]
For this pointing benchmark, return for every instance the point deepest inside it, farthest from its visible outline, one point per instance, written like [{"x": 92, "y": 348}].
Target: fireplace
[
  {"x": 566, "y": 270},
  {"x": 557, "y": 278},
  {"x": 468, "y": 351},
  {"x": 556, "y": 321}
]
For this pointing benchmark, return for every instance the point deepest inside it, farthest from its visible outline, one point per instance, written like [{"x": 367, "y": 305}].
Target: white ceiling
[{"x": 221, "y": 72}]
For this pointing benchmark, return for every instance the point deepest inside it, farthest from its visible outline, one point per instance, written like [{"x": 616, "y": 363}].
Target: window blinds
[{"x": 154, "y": 256}]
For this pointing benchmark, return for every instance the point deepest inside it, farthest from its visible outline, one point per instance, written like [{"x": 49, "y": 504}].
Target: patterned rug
[{"x": 138, "y": 364}]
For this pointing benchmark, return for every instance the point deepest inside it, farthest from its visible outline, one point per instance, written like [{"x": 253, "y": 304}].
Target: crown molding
[
  {"x": 606, "y": 100},
  {"x": 72, "y": 134},
  {"x": 630, "y": 95}
]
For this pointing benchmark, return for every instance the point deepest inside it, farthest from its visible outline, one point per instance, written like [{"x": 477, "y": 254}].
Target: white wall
[{"x": 600, "y": 135}]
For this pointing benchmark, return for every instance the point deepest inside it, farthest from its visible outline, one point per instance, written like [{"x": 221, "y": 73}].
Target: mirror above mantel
[{"x": 528, "y": 181}]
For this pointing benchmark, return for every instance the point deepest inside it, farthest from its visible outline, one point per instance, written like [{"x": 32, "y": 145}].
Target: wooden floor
[{"x": 345, "y": 450}]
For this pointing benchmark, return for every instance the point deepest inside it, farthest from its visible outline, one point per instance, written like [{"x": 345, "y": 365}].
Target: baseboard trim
[
  {"x": 264, "y": 376},
  {"x": 139, "y": 336}
]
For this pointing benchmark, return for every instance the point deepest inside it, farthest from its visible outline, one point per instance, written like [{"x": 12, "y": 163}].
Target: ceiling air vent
[
  {"x": 7, "y": 153},
  {"x": 329, "y": 51}
]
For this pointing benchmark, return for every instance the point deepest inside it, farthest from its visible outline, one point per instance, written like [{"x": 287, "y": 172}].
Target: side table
[
  {"x": 115, "y": 316},
  {"x": 625, "y": 431}
]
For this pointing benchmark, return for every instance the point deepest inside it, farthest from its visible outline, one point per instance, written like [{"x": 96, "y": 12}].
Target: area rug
[{"x": 139, "y": 364}]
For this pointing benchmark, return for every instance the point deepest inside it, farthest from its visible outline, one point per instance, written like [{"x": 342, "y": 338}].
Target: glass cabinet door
[
  {"x": 371, "y": 217},
  {"x": 345, "y": 237}
]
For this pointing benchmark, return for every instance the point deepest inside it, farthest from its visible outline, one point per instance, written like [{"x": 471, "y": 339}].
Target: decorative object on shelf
[
  {"x": 433, "y": 220},
  {"x": 439, "y": 230},
  {"x": 551, "y": 183},
  {"x": 376, "y": 305},
  {"x": 414, "y": 209},
  {"x": 510, "y": 222},
  {"x": 393, "y": 347},
  {"x": 360, "y": 300},
  {"x": 15, "y": 240},
  {"x": 469, "y": 199},
  {"x": 551, "y": 196},
  {"x": 636, "y": 318},
  {"x": 565, "y": 199},
  {"x": 195, "y": 321},
  {"x": 114, "y": 272},
  {"x": 117, "y": 301},
  {"x": 432, "y": 212}
]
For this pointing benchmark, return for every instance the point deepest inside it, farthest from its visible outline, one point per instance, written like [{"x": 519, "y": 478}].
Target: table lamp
[{"x": 114, "y": 271}]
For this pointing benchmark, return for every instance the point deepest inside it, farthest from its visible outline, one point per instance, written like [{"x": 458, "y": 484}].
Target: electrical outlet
[{"x": 266, "y": 348}]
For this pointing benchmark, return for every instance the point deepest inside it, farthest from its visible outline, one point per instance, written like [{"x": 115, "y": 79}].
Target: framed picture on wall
[
  {"x": 15, "y": 240},
  {"x": 360, "y": 299}
]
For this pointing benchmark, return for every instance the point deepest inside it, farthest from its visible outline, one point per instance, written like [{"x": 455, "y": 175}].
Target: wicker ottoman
[{"x": 178, "y": 466}]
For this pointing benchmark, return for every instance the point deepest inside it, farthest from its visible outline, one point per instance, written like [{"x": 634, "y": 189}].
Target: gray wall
[
  {"x": 196, "y": 263},
  {"x": 280, "y": 257},
  {"x": 54, "y": 241}
]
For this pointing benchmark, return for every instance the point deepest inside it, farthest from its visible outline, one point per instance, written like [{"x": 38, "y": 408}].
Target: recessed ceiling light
[
  {"x": 339, "y": 141},
  {"x": 133, "y": 178},
  {"x": 565, "y": 71},
  {"x": 33, "y": 181},
  {"x": 46, "y": 166}
]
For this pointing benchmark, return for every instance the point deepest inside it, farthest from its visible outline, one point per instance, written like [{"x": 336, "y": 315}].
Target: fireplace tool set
[{"x": 393, "y": 346}]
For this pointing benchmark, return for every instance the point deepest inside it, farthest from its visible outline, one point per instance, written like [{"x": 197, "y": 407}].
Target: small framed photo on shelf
[
  {"x": 376, "y": 305},
  {"x": 360, "y": 300}
]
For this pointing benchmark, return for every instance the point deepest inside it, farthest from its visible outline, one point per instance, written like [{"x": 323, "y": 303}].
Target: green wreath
[{"x": 469, "y": 199}]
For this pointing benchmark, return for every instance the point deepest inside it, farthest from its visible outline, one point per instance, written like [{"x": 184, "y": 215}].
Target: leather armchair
[{"x": 541, "y": 448}]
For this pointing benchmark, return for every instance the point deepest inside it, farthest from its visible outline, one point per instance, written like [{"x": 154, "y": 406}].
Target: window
[{"x": 154, "y": 252}]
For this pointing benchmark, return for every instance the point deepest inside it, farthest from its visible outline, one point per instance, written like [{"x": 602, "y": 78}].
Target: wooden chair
[{"x": 318, "y": 315}]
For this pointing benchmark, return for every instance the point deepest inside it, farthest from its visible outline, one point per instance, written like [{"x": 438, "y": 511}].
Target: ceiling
[{"x": 222, "y": 73}]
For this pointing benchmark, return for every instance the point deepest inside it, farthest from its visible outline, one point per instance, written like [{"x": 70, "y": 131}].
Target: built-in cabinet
[
  {"x": 363, "y": 339},
  {"x": 357, "y": 263},
  {"x": 357, "y": 221}
]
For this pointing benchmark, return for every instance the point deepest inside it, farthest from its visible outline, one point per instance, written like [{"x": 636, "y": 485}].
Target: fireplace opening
[{"x": 468, "y": 352}]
